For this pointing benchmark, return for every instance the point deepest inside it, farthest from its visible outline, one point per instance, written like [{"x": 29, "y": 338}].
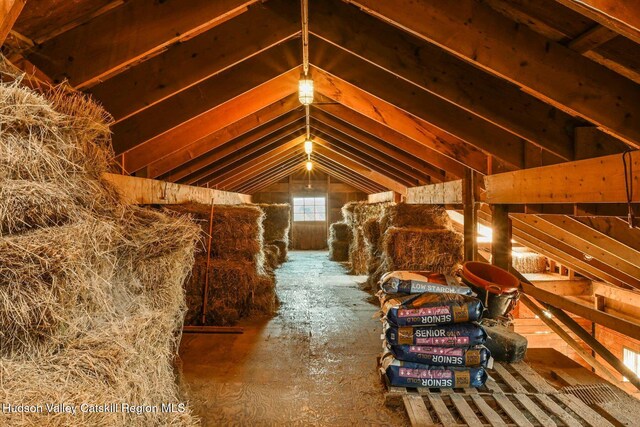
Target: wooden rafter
[
  {"x": 549, "y": 71},
  {"x": 267, "y": 178},
  {"x": 348, "y": 176},
  {"x": 622, "y": 16},
  {"x": 433, "y": 112},
  {"x": 385, "y": 113},
  {"x": 184, "y": 106},
  {"x": 435, "y": 70},
  {"x": 292, "y": 157},
  {"x": 127, "y": 34},
  {"x": 250, "y": 150},
  {"x": 349, "y": 180},
  {"x": 9, "y": 12},
  {"x": 373, "y": 175},
  {"x": 183, "y": 65},
  {"x": 368, "y": 158},
  {"x": 214, "y": 120},
  {"x": 272, "y": 131},
  {"x": 335, "y": 127},
  {"x": 420, "y": 147},
  {"x": 263, "y": 121}
]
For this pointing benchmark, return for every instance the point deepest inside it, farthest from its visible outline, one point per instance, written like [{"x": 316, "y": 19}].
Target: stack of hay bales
[
  {"x": 91, "y": 299},
  {"x": 277, "y": 220},
  {"x": 414, "y": 237},
  {"x": 238, "y": 284},
  {"x": 356, "y": 214},
  {"x": 528, "y": 262},
  {"x": 340, "y": 237}
]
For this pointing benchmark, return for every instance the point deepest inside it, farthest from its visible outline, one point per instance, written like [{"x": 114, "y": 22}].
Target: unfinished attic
[{"x": 319, "y": 212}]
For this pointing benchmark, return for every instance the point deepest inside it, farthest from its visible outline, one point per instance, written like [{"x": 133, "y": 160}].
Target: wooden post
[
  {"x": 501, "y": 243},
  {"x": 470, "y": 216}
]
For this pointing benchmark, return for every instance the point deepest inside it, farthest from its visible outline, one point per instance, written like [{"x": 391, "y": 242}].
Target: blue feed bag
[
  {"x": 442, "y": 356},
  {"x": 409, "y": 374},
  {"x": 409, "y": 282},
  {"x": 456, "y": 335},
  {"x": 430, "y": 309}
]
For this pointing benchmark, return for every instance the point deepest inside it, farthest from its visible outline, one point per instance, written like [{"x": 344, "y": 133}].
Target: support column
[
  {"x": 470, "y": 215},
  {"x": 501, "y": 242}
]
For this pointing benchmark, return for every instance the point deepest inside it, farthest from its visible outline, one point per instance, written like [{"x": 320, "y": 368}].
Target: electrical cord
[{"x": 628, "y": 184}]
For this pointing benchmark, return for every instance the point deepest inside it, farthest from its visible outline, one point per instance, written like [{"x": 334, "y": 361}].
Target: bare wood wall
[{"x": 311, "y": 235}]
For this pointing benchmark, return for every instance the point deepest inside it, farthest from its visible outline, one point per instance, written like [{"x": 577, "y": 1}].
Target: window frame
[{"x": 309, "y": 202}]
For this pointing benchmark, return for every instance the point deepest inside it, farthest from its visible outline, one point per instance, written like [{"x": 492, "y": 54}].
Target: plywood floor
[{"x": 312, "y": 364}]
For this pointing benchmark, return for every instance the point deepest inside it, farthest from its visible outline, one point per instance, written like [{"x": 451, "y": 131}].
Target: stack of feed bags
[{"x": 431, "y": 335}]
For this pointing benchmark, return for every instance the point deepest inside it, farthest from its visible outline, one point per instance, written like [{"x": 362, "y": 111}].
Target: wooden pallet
[{"x": 514, "y": 395}]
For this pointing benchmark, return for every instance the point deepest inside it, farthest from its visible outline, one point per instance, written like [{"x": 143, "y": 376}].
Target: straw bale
[
  {"x": 277, "y": 219},
  {"x": 340, "y": 231},
  {"x": 283, "y": 246},
  {"x": 348, "y": 211},
  {"x": 420, "y": 249},
  {"x": 338, "y": 251},
  {"x": 236, "y": 233},
  {"x": 529, "y": 262},
  {"x": 272, "y": 256},
  {"x": 419, "y": 216}
]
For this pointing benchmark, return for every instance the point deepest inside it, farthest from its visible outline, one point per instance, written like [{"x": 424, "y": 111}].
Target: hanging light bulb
[
  {"x": 305, "y": 90},
  {"x": 308, "y": 147},
  {"x": 309, "y": 165}
]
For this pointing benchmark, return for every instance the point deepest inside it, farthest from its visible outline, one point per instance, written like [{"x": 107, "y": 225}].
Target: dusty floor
[{"x": 312, "y": 364}]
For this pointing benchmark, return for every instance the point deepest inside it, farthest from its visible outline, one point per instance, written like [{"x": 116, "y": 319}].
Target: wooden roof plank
[
  {"x": 213, "y": 120},
  {"x": 126, "y": 34},
  {"x": 171, "y": 113},
  {"x": 183, "y": 65},
  {"x": 549, "y": 71}
]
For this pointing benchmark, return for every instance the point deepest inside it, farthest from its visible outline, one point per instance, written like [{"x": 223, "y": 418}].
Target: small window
[
  {"x": 309, "y": 208},
  {"x": 632, "y": 360}
]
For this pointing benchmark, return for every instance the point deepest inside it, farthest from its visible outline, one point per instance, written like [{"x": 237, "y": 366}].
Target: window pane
[
  {"x": 308, "y": 201},
  {"x": 319, "y": 216},
  {"x": 308, "y": 217},
  {"x": 298, "y": 209},
  {"x": 298, "y": 201},
  {"x": 318, "y": 201}
]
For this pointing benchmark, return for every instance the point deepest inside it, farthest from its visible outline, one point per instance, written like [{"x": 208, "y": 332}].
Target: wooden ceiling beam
[
  {"x": 333, "y": 174},
  {"x": 420, "y": 146},
  {"x": 267, "y": 177},
  {"x": 185, "y": 64},
  {"x": 549, "y": 71},
  {"x": 330, "y": 124},
  {"x": 597, "y": 180},
  {"x": 216, "y": 119},
  {"x": 437, "y": 114},
  {"x": 291, "y": 157},
  {"x": 266, "y": 181},
  {"x": 249, "y": 149},
  {"x": 387, "y": 114},
  {"x": 621, "y": 16},
  {"x": 263, "y": 121},
  {"x": 369, "y": 158},
  {"x": 269, "y": 156},
  {"x": 171, "y": 113},
  {"x": 438, "y": 72},
  {"x": 348, "y": 175},
  {"x": 9, "y": 12},
  {"x": 375, "y": 176},
  {"x": 122, "y": 36},
  {"x": 273, "y": 130}
]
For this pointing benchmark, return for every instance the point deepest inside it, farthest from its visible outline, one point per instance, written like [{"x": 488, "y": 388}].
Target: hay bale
[
  {"x": 403, "y": 215},
  {"x": 340, "y": 231},
  {"x": 339, "y": 251},
  {"x": 233, "y": 286},
  {"x": 348, "y": 211},
  {"x": 420, "y": 249},
  {"x": 272, "y": 256},
  {"x": 277, "y": 220},
  {"x": 358, "y": 253},
  {"x": 529, "y": 262},
  {"x": 236, "y": 233},
  {"x": 91, "y": 300},
  {"x": 283, "y": 246}
]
